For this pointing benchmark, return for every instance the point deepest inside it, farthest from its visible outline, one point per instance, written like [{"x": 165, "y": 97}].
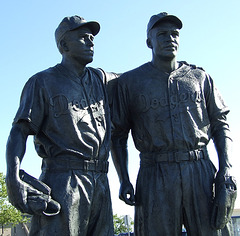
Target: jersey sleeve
[
  {"x": 217, "y": 109},
  {"x": 32, "y": 105},
  {"x": 120, "y": 113},
  {"x": 110, "y": 81},
  {"x": 214, "y": 101}
]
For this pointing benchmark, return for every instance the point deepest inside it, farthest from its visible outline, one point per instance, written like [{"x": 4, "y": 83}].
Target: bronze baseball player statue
[
  {"x": 173, "y": 110},
  {"x": 66, "y": 109}
]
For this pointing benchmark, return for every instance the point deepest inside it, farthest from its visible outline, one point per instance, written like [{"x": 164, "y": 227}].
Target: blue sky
[{"x": 209, "y": 38}]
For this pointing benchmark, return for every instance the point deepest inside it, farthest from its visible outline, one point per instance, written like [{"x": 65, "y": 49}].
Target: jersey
[
  {"x": 69, "y": 115},
  {"x": 179, "y": 111}
]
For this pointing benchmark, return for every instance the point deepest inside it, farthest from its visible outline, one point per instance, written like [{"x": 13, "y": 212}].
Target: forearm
[
  {"x": 223, "y": 144},
  {"x": 15, "y": 150},
  {"x": 120, "y": 157}
]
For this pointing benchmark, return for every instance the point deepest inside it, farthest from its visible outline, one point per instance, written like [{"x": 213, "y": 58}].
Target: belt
[
  {"x": 179, "y": 156},
  {"x": 75, "y": 164}
]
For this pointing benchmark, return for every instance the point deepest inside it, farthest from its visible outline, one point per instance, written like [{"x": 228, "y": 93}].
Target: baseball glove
[
  {"x": 39, "y": 203},
  {"x": 224, "y": 200}
]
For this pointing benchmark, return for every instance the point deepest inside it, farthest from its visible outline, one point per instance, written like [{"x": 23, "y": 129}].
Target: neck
[
  {"x": 165, "y": 65},
  {"x": 73, "y": 66}
]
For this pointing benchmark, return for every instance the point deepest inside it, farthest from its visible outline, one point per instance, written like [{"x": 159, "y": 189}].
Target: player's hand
[
  {"x": 126, "y": 193},
  {"x": 223, "y": 205},
  {"x": 18, "y": 193}
]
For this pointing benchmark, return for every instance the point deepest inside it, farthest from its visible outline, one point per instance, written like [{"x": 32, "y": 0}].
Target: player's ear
[
  {"x": 149, "y": 44},
  {"x": 63, "y": 45}
]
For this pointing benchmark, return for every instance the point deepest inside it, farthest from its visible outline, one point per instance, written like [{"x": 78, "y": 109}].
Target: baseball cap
[
  {"x": 163, "y": 16},
  {"x": 73, "y": 22}
]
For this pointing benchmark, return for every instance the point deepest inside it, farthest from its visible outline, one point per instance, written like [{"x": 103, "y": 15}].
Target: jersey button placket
[{"x": 174, "y": 107}]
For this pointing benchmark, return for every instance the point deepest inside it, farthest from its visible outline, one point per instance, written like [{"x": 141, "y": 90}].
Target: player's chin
[
  {"x": 170, "y": 52},
  {"x": 169, "y": 56},
  {"x": 87, "y": 60},
  {"x": 90, "y": 57},
  {"x": 90, "y": 60}
]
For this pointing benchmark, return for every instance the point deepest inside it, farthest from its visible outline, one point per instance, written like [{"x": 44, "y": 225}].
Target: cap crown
[
  {"x": 163, "y": 16},
  {"x": 72, "y": 23}
]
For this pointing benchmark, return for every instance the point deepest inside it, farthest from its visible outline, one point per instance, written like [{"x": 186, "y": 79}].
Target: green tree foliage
[
  {"x": 119, "y": 225},
  {"x": 8, "y": 213}
]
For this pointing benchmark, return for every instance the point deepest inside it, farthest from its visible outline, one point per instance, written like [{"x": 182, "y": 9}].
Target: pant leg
[
  {"x": 158, "y": 209},
  {"x": 169, "y": 194},
  {"x": 101, "y": 218},
  {"x": 197, "y": 182},
  {"x": 72, "y": 190},
  {"x": 78, "y": 193}
]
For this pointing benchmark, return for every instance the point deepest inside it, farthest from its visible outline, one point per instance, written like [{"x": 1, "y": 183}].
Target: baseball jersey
[
  {"x": 179, "y": 111},
  {"x": 69, "y": 115}
]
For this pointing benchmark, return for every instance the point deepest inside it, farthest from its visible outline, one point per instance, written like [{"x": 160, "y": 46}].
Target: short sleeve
[
  {"x": 32, "y": 105},
  {"x": 215, "y": 103},
  {"x": 120, "y": 111},
  {"x": 110, "y": 80}
]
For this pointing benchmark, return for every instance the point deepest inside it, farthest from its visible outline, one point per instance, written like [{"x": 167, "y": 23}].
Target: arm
[
  {"x": 223, "y": 144},
  {"x": 121, "y": 126},
  {"x": 120, "y": 159},
  {"x": 225, "y": 185},
  {"x": 110, "y": 80},
  {"x": 217, "y": 112},
  {"x": 16, "y": 146}
]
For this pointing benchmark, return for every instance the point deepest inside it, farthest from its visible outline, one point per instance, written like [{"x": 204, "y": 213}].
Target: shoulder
[
  {"x": 97, "y": 73},
  {"x": 196, "y": 71},
  {"x": 192, "y": 66},
  {"x": 95, "y": 70},
  {"x": 109, "y": 79},
  {"x": 45, "y": 74},
  {"x": 135, "y": 73},
  {"x": 140, "y": 69},
  {"x": 106, "y": 77},
  {"x": 41, "y": 80}
]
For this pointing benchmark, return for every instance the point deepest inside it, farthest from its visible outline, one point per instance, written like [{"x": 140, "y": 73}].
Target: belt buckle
[
  {"x": 197, "y": 154},
  {"x": 192, "y": 155}
]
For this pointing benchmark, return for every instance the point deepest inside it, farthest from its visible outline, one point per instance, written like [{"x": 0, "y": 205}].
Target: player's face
[
  {"x": 80, "y": 45},
  {"x": 164, "y": 40}
]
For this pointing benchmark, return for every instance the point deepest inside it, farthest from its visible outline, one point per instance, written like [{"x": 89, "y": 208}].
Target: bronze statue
[
  {"x": 66, "y": 109},
  {"x": 173, "y": 109}
]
